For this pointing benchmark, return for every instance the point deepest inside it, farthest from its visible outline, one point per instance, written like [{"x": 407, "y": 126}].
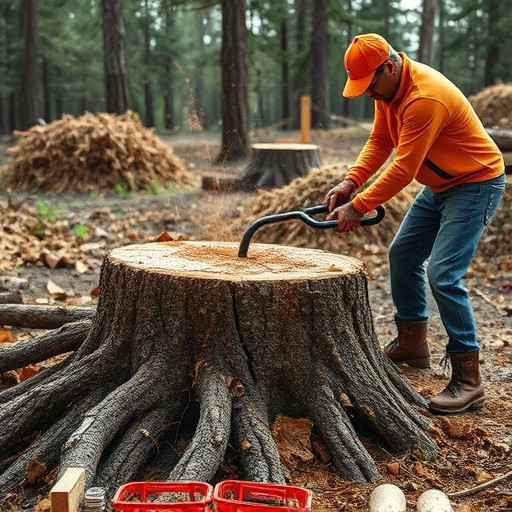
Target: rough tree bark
[
  {"x": 275, "y": 165},
  {"x": 283, "y": 331},
  {"x": 117, "y": 94},
  {"x": 235, "y": 137}
]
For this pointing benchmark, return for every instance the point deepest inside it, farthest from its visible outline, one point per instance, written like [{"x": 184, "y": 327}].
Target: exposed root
[
  {"x": 99, "y": 426},
  {"x": 204, "y": 454},
  {"x": 33, "y": 316},
  {"x": 45, "y": 448},
  {"x": 59, "y": 341},
  {"x": 22, "y": 414},
  {"x": 349, "y": 455},
  {"x": 132, "y": 451},
  {"x": 253, "y": 439}
]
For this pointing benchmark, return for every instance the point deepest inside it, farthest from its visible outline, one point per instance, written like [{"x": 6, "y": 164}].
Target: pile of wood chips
[
  {"x": 494, "y": 106},
  {"x": 93, "y": 154}
]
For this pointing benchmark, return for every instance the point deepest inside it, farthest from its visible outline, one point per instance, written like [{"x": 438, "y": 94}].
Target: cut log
[
  {"x": 286, "y": 331},
  {"x": 275, "y": 165}
]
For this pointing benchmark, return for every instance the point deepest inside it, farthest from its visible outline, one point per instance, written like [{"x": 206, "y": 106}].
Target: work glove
[
  {"x": 340, "y": 194},
  {"x": 348, "y": 217}
]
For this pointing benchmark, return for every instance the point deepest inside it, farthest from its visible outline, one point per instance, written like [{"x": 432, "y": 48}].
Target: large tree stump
[
  {"x": 275, "y": 165},
  {"x": 285, "y": 331}
]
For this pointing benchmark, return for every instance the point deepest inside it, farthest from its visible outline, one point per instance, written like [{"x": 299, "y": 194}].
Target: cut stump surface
[{"x": 285, "y": 331}]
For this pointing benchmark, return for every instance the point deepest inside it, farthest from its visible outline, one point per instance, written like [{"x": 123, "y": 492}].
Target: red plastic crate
[
  {"x": 182, "y": 496},
  {"x": 239, "y": 496}
]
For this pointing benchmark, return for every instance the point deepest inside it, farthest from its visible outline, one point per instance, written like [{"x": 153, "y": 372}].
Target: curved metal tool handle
[
  {"x": 366, "y": 220},
  {"x": 305, "y": 216}
]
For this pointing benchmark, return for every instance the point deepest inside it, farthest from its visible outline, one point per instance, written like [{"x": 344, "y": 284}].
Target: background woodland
[{"x": 190, "y": 65}]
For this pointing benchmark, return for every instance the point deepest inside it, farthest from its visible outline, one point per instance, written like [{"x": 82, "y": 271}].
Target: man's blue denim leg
[{"x": 445, "y": 227}]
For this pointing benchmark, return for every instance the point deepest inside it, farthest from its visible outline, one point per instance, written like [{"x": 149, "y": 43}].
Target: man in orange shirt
[{"x": 440, "y": 142}]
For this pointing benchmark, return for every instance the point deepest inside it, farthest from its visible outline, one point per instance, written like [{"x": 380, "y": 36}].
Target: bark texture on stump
[
  {"x": 275, "y": 165},
  {"x": 285, "y": 331}
]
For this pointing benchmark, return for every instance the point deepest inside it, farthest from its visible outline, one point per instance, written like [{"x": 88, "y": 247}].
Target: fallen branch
[
  {"x": 43, "y": 317},
  {"x": 478, "y": 488}
]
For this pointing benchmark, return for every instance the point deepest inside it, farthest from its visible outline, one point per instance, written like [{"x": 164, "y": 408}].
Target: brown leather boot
[
  {"x": 410, "y": 346},
  {"x": 464, "y": 390}
]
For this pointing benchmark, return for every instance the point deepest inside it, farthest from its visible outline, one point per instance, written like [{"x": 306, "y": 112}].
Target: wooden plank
[{"x": 67, "y": 494}]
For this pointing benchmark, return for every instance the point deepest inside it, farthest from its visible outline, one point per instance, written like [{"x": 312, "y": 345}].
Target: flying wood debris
[{"x": 93, "y": 153}]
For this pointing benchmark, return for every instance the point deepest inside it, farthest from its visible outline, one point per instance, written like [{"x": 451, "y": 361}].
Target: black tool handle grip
[{"x": 366, "y": 220}]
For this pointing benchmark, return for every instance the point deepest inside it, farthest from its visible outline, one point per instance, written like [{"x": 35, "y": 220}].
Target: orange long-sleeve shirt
[{"x": 438, "y": 137}]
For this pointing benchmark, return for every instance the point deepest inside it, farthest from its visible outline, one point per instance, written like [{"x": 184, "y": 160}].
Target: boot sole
[{"x": 476, "y": 404}]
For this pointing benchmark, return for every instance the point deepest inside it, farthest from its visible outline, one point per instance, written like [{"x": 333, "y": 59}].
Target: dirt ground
[{"x": 473, "y": 462}]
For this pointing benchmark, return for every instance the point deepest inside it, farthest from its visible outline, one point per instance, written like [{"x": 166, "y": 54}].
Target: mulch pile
[
  {"x": 93, "y": 153},
  {"x": 494, "y": 106}
]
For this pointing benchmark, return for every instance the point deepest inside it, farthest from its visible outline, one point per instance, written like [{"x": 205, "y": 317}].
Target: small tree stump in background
[
  {"x": 275, "y": 165},
  {"x": 286, "y": 331}
]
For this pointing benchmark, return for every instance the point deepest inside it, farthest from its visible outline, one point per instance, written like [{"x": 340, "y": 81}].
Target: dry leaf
[
  {"x": 51, "y": 260},
  {"x": 55, "y": 290},
  {"x": 5, "y": 336},
  {"x": 164, "y": 237},
  {"x": 28, "y": 371},
  {"x": 81, "y": 267}
]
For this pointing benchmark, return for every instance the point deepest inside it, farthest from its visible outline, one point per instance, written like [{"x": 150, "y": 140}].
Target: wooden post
[
  {"x": 68, "y": 492},
  {"x": 305, "y": 119}
]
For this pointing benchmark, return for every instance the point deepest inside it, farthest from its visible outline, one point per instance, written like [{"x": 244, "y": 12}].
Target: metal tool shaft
[{"x": 305, "y": 216}]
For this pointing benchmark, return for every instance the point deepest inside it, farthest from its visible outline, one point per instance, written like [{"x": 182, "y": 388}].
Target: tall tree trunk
[
  {"x": 493, "y": 41},
  {"x": 199, "y": 100},
  {"x": 29, "y": 84},
  {"x": 285, "y": 73},
  {"x": 47, "y": 102},
  {"x": 347, "y": 102},
  {"x": 235, "y": 139},
  {"x": 319, "y": 67},
  {"x": 301, "y": 62},
  {"x": 146, "y": 76},
  {"x": 114, "y": 57},
  {"x": 428, "y": 22},
  {"x": 442, "y": 28},
  {"x": 169, "y": 121}
]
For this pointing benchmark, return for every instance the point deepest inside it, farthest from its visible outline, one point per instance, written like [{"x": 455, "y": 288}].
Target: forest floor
[{"x": 474, "y": 448}]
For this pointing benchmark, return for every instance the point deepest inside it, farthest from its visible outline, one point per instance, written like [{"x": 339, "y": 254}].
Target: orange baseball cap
[{"x": 364, "y": 55}]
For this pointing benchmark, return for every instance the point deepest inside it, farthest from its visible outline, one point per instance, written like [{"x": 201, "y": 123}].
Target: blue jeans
[{"x": 437, "y": 240}]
